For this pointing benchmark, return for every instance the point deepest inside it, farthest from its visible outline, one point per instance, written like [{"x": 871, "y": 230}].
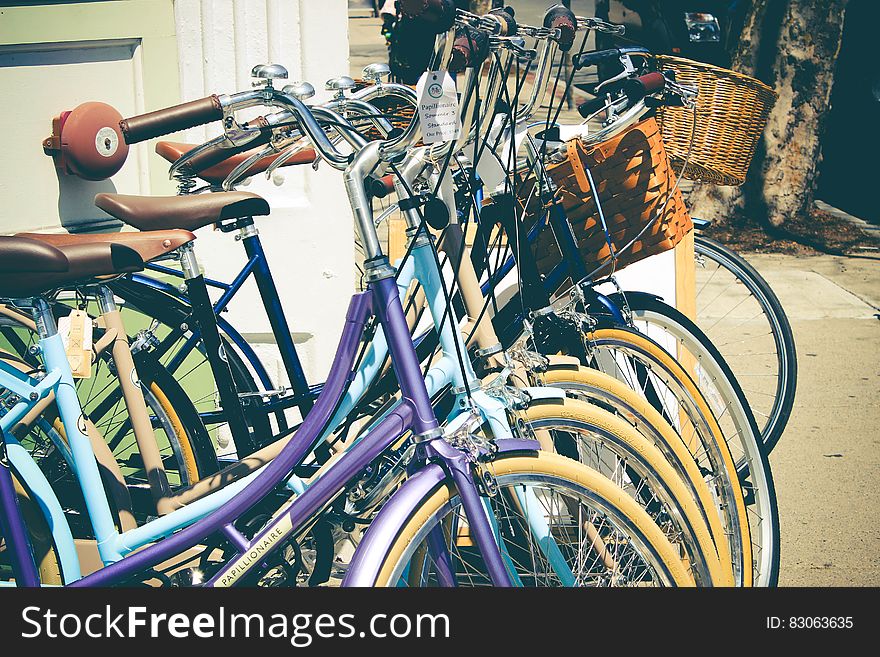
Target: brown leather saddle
[
  {"x": 184, "y": 212},
  {"x": 29, "y": 267},
  {"x": 148, "y": 244},
  {"x": 173, "y": 151}
]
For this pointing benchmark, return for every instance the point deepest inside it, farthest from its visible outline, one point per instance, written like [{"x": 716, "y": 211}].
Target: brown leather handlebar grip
[
  {"x": 561, "y": 18},
  {"x": 468, "y": 50},
  {"x": 171, "y": 119},
  {"x": 638, "y": 88}
]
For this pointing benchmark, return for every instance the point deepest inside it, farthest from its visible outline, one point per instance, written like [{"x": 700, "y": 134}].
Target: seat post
[
  {"x": 206, "y": 322},
  {"x": 44, "y": 319},
  {"x": 134, "y": 402}
]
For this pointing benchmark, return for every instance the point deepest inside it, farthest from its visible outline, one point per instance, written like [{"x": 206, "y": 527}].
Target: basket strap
[{"x": 574, "y": 158}]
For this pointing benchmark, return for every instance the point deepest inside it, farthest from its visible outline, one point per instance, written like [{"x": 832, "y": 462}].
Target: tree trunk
[{"x": 792, "y": 46}]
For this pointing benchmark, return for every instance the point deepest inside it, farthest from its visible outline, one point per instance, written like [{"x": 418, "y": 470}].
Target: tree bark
[{"x": 792, "y": 46}]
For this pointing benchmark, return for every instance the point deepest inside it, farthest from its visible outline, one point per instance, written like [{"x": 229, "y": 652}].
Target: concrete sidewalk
[{"x": 827, "y": 463}]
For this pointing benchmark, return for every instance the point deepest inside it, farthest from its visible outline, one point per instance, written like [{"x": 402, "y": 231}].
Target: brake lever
[
  {"x": 186, "y": 157},
  {"x": 600, "y": 26},
  {"x": 515, "y": 45},
  {"x": 687, "y": 93},
  {"x": 242, "y": 168},
  {"x": 292, "y": 150},
  {"x": 229, "y": 139},
  {"x": 628, "y": 70}
]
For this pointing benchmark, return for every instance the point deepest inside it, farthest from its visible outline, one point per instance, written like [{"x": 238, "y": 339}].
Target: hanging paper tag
[
  {"x": 438, "y": 107},
  {"x": 76, "y": 334}
]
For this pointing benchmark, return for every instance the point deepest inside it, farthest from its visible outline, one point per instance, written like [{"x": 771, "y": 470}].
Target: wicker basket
[
  {"x": 634, "y": 180},
  {"x": 396, "y": 110},
  {"x": 732, "y": 110}
]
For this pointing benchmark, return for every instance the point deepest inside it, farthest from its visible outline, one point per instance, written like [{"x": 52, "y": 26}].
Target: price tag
[
  {"x": 438, "y": 107},
  {"x": 76, "y": 334}
]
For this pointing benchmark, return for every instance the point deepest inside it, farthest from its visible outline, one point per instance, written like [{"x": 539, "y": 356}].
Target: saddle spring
[{"x": 186, "y": 181}]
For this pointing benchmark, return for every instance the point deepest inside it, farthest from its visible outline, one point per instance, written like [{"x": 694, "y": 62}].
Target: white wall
[
  {"x": 308, "y": 236},
  {"x": 54, "y": 57}
]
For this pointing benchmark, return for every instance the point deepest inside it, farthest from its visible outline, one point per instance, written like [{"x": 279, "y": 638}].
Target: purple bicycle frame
[
  {"x": 413, "y": 413},
  {"x": 12, "y": 527}
]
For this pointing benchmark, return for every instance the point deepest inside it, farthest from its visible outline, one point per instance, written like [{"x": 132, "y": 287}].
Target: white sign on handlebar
[{"x": 438, "y": 107}]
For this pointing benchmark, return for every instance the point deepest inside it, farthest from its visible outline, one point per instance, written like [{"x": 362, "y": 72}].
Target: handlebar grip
[
  {"x": 217, "y": 154},
  {"x": 380, "y": 187},
  {"x": 562, "y": 18},
  {"x": 469, "y": 49},
  {"x": 590, "y": 107},
  {"x": 592, "y": 58},
  {"x": 440, "y": 14},
  {"x": 171, "y": 119},
  {"x": 505, "y": 16},
  {"x": 637, "y": 88}
]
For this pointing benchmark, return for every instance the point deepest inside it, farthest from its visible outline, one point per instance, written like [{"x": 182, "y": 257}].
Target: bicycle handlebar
[
  {"x": 171, "y": 119},
  {"x": 635, "y": 90},
  {"x": 592, "y": 58}
]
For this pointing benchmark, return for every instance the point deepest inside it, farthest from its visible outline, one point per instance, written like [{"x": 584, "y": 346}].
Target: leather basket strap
[{"x": 574, "y": 158}]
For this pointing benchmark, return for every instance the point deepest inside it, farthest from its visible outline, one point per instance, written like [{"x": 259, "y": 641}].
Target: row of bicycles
[{"x": 499, "y": 410}]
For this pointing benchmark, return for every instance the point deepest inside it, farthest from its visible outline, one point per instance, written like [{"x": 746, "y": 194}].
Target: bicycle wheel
[
  {"x": 609, "y": 393},
  {"x": 184, "y": 444},
  {"x": 604, "y": 538},
  {"x": 163, "y": 322},
  {"x": 743, "y": 318},
  {"x": 644, "y": 365},
  {"x": 608, "y": 444}
]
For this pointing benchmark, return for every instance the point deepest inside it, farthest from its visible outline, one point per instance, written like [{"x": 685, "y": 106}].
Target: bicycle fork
[{"x": 459, "y": 467}]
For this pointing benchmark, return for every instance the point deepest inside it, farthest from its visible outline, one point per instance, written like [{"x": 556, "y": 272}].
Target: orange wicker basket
[
  {"x": 642, "y": 207},
  {"x": 731, "y": 113}
]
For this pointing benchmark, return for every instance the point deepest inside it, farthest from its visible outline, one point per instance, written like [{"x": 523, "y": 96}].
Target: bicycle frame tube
[
  {"x": 414, "y": 413},
  {"x": 266, "y": 479},
  {"x": 277, "y": 320},
  {"x": 205, "y": 319},
  {"x": 12, "y": 527},
  {"x": 225, "y": 327},
  {"x": 444, "y": 371},
  {"x": 258, "y": 266}
]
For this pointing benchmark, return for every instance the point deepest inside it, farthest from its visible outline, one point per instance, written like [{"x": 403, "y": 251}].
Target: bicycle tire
[
  {"x": 643, "y": 461},
  {"x": 607, "y": 392},
  {"x": 774, "y": 425},
  {"x": 566, "y": 474},
  {"x": 188, "y": 439},
  {"x": 172, "y": 312},
  {"x": 761, "y": 516}
]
